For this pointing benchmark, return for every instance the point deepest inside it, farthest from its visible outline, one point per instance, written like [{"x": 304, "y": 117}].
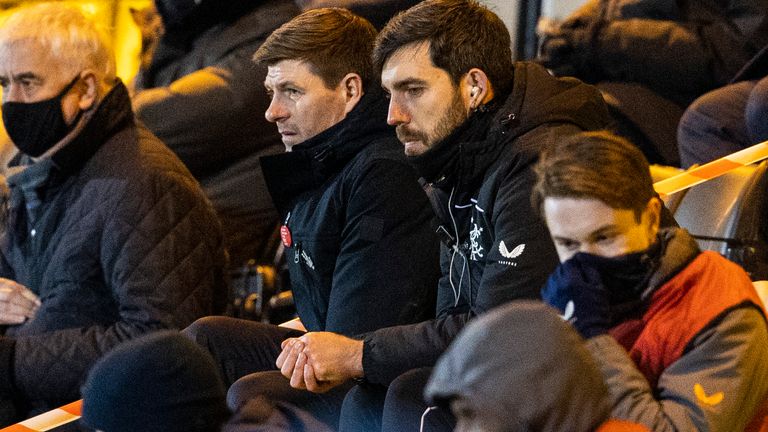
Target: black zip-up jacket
[
  {"x": 362, "y": 253},
  {"x": 495, "y": 247}
]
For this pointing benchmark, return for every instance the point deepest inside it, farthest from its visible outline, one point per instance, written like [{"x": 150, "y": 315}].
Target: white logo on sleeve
[
  {"x": 516, "y": 252},
  {"x": 510, "y": 255}
]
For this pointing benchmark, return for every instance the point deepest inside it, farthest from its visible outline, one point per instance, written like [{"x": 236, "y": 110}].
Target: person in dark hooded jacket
[
  {"x": 199, "y": 95},
  {"x": 520, "y": 367},
  {"x": 472, "y": 122},
  {"x": 357, "y": 226},
  {"x": 652, "y": 58}
]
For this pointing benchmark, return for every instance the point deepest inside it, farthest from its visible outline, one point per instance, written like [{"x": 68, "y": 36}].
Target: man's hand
[
  {"x": 577, "y": 290},
  {"x": 320, "y": 361},
  {"x": 17, "y": 302}
]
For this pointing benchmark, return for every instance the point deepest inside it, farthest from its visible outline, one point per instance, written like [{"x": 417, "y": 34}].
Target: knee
[
  {"x": 239, "y": 392},
  {"x": 408, "y": 386},
  {"x": 205, "y": 328}
]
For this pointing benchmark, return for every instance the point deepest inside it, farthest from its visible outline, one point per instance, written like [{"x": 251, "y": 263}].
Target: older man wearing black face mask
[{"x": 107, "y": 236}]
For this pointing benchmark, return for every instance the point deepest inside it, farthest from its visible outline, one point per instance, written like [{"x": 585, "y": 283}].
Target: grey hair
[{"x": 65, "y": 32}]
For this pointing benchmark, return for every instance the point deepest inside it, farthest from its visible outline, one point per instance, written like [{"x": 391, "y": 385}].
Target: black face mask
[
  {"x": 35, "y": 127},
  {"x": 625, "y": 277}
]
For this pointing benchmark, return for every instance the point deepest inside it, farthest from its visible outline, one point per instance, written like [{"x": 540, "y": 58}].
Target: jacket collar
[
  {"x": 678, "y": 249},
  {"x": 321, "y": 157},
  {"x": 33, "y": 181},
  {"x": 536, "y": 98},
  {"x": 111, "y": 115}
]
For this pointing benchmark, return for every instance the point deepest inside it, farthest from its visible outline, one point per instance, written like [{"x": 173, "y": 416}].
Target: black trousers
[
  {"x": 400, "y": 407},
  {"x": 246, "y": 351}
]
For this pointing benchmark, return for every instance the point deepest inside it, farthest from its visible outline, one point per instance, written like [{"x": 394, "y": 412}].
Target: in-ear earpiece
[{"x": 473, "y": 92}]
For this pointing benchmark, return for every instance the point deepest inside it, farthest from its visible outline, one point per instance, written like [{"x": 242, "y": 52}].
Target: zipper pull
[{"x": 296, "y": 253}]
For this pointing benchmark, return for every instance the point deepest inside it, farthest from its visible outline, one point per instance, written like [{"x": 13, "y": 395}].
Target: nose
[
  {"x": 396, "y": 115},
  {"x": 275, "y": 111},
  {"x": 588, "y": 247}
]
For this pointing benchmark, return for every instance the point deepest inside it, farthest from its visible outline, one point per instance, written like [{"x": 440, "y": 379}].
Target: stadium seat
[{"x": 726, "y": 214}]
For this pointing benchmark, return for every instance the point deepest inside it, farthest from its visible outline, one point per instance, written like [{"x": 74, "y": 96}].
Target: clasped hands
[
  {"x": 320, "y": 361},
  {"x": 17, "y": 302}
]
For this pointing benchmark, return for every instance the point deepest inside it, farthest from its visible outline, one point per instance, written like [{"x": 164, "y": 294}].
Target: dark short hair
[
  {"x": 333, "y": 41},
  {"x": 597, "y": 165},
  {"x": 462, "y": 34}
]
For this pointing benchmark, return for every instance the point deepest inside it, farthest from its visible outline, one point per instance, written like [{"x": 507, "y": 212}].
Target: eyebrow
[
  {"x": 26, "y": 75},
  {"x": 283, "y": 84},
  {"x": 602, "y": 230},
  {"x": 402, "y": 84}
]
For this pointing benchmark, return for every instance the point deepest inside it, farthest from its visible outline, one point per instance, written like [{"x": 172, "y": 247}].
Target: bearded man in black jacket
[
  {"x": 357, "y": 230},
  {"x": 473, "y": 123}
]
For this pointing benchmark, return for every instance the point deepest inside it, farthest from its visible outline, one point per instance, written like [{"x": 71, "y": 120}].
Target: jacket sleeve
[
  {"x": 635, "y": 45},
  {"x": 717, "y": 385},
  {"x": 519, "y": 268},
  {"x": 198, "y": 112},
  {"x": 162, "y": 259},
  {"x": 388, "y": 256},
  {"x": 648, "y": 51},
  {"x": 389, "y": 352}
]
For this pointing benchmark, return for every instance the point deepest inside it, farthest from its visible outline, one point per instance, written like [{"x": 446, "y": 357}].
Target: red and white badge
[{"x": 285, "y": 236}]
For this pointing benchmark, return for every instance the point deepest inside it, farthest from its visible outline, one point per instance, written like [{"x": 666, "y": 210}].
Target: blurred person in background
[{"x": 200, "y": 94}]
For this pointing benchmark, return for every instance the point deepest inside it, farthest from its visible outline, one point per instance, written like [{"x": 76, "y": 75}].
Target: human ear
[
  {"x": 88, "y": 89},
  {"x": 352, "y": 86},
  {"x": 653, "y": 215},
  {"x": 478, "y": 88}
]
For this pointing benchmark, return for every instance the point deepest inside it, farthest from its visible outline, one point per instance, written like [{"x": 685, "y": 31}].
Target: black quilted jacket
[{"x": 124, "y": 243}]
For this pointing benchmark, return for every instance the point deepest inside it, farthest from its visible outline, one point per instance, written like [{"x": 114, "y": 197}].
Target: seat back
[{"x": 726, "y": 215}]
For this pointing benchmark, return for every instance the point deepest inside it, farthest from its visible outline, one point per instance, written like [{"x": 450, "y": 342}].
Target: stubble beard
[{"x": 455, "y": 115}]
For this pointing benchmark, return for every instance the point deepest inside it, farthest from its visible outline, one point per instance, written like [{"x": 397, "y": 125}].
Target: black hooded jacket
[
  {"x": 362, "y": 253},
  {"x": 495, "y": 247}
]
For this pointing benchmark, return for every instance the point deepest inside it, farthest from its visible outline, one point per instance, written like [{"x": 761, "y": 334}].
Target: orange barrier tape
[
  {"x": 49, "y": 420},
  {"x": 712, "y": 169}
]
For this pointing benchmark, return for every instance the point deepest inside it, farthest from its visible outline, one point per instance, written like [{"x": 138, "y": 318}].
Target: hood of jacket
[
  {"x": 537, "y": 98},
  {"x": 520, "y": 366},
  {"x": 312, "y": 162}
]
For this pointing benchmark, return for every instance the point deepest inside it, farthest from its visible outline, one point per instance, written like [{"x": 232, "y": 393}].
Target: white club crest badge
[{"x": 476, "y": 251}]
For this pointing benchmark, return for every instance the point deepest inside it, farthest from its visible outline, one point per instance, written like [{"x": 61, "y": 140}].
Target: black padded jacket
[{"x": 123, "y": 243}]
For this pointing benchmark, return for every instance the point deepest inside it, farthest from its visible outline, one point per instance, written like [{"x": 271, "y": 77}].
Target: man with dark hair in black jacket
[
  {"x": 472, "y": 122},
  {"x": 357, "y": 229}
]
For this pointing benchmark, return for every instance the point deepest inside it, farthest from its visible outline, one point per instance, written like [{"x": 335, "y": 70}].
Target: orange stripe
[
  {"x": 676, "y": 183},
  {"x": 75, "y": 408},
  {"x": 17, "y": 428},
  {"x": 714, "y": 169}
]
